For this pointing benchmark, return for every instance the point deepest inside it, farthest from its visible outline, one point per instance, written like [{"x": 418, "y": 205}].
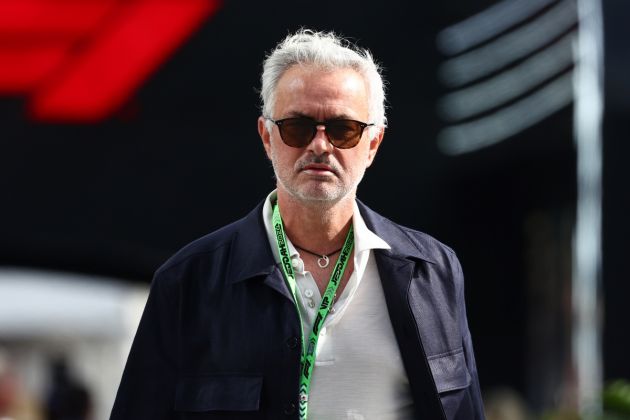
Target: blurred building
[{"x": 88, "y": 321}]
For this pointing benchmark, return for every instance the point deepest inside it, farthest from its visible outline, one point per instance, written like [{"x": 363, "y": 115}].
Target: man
[{"x": 312, "y": 305}]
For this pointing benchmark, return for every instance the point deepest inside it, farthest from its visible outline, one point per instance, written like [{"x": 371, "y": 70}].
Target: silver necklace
[{"x": 323, "y": 260}]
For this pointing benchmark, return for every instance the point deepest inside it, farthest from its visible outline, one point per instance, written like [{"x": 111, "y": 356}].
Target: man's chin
[
  {"x": 320, "y": 196},
  {"x": 315, "y": 193}
]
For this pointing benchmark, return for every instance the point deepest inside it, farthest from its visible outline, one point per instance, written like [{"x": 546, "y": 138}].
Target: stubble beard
[{"x": 325, "y": 195}]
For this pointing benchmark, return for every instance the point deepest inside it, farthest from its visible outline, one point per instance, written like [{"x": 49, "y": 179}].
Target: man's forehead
[
  {"x": 300, "y": 75},
  {"x": 321, "y": 93},
  {"x": 316, "y": 84}
]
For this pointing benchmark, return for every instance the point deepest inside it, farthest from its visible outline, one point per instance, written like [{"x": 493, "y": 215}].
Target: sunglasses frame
[{"x": 315, "y": 124}]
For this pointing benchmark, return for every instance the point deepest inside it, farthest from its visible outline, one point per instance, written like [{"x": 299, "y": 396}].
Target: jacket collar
[
  {"x": 402, "y": 244},
  {"x": 253, "y": 255}
]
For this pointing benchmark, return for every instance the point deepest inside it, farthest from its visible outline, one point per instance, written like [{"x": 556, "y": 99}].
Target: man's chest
[{"x": 358, "y": 355}]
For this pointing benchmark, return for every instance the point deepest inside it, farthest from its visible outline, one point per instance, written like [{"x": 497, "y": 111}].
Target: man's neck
[{"x": 318, "y": 227}]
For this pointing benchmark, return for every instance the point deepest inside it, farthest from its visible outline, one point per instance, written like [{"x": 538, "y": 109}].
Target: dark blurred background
[{"x": 114, "y": 192}]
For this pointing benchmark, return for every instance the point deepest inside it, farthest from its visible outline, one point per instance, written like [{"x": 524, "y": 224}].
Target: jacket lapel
[
  {"x": 253, "y": 256},
  {"x": 396, "y": 269}
]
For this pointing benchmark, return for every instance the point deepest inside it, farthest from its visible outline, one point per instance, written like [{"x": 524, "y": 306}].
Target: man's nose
[{"x": 320, "y": 144}]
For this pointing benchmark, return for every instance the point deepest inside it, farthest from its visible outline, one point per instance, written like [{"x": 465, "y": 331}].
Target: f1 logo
[{"x": 80, "y": 60}]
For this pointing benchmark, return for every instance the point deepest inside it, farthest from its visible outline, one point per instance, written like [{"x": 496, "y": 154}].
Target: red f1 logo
[{"x": 80, "y": 60}]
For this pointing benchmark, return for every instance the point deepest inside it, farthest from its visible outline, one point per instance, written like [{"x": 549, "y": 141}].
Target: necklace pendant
[{"x": 323, "y": 261}]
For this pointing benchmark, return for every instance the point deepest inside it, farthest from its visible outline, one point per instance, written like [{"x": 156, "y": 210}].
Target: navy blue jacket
[{"x": 219, "y": 337}]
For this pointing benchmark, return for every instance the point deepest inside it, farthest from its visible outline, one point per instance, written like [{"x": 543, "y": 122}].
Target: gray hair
[{"x": 326, "y": 51}]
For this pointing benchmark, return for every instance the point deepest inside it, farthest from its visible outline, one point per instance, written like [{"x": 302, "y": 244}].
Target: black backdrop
[{"x": 182, "y": 158}]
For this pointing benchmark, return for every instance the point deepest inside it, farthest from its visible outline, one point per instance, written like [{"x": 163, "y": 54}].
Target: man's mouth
[{"x": 318, "y": 169}]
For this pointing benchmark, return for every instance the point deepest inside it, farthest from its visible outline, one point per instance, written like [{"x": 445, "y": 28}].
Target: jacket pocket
[
  {"x": 450, "y": 371},
  {"x": 218, "y": 393}
]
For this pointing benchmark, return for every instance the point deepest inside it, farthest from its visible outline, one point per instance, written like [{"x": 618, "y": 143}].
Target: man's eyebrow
[{"x": 298, "y": 114}]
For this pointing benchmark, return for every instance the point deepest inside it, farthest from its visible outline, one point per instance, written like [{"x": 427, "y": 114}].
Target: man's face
[{"x": 320, "y": 172}]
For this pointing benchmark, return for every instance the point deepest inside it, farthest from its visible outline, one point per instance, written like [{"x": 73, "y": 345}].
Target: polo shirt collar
[
  {"x": 364, "y": 238},
  {"x": 256, "y": 254}
]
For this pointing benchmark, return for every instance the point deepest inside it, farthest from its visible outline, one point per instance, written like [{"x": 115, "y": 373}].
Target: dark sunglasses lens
[
  {"x": 297, "y": 132},
  {"x": 344, "y": 134}
]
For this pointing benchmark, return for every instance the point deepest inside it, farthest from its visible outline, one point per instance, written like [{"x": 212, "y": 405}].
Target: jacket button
[
  {"x": 289, "y": 408},
  {"x": 292, "y": 342}
]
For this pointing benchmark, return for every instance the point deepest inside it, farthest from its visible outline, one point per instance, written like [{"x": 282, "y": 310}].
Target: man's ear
[
  {"x": 375, "y": 143},
  {"x": 265, "y": 135}
]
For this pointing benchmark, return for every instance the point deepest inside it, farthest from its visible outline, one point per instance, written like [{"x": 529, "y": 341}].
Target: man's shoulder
[
  {"x": 389, "y": 230},
  {"x": 209, "y": 243},
  {"x": 426, "y": 240}
]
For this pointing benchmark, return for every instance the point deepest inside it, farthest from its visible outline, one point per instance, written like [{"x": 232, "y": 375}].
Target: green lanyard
[{"x": 308, "y": 351}]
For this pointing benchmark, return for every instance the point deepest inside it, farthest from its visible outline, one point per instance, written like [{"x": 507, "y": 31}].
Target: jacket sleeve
[
  {"x": 475, "y": 392},
  {"x": 147, "y": 388}
]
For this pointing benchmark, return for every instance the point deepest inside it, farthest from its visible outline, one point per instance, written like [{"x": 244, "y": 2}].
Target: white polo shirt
[{"x": 358, "y": 372}]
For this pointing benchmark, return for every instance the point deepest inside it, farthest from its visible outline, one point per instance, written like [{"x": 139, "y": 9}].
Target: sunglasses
[{"x": 300, "y": 131}]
